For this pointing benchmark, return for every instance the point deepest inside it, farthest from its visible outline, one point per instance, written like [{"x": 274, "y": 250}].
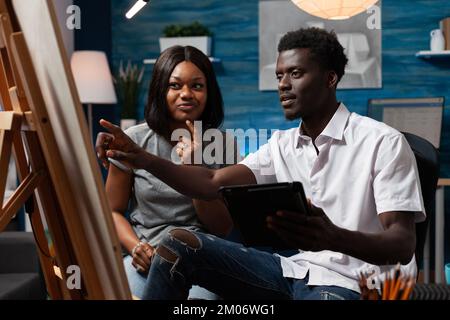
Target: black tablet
[{"x": 249, "y": 206}]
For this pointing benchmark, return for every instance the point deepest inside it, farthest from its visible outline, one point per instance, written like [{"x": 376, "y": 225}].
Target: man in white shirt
[{"x": 359, "y": 174}]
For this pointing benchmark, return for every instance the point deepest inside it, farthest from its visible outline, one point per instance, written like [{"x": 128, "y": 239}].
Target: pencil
[
  {"x": 402, "y": 287},
  {"x": 394, "y": 294},
  {"x": 409, "y": 286},
  {"x": 386, "y": 287},
  {"x": 394, "y": 281}
]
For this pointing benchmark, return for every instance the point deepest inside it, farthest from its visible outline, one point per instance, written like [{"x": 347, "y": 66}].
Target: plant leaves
[
  {"x": 194, "y": 29},
  {"x": 128, "y": 84}
]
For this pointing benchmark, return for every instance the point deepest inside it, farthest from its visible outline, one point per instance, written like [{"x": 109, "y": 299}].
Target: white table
[{"x": 439, "y": 237}]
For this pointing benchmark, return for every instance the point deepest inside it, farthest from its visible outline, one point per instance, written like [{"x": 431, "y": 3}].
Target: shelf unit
[
  {"x": 152, "y": 61},
  {"x": 445, "y": 54}
]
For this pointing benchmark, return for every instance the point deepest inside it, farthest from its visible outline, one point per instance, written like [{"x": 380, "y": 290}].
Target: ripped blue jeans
[
  {"x": 228, "y": 269},
  {"x": 137, "y": 282}
]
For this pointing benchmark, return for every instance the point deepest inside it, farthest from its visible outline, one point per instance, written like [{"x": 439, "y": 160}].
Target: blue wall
[
  {"x": 405, "y": 30},
  {"x": 235, "y": 27}
]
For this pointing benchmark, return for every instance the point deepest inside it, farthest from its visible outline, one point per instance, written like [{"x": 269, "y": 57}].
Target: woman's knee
[{"x": 136, "y": 280}]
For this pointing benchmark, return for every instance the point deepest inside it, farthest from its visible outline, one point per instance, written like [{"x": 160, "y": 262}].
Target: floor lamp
[{"x": 93, "y": 80}]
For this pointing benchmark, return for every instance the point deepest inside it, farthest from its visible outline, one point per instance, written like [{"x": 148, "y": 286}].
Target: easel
[{"x": 80, "y": 235}]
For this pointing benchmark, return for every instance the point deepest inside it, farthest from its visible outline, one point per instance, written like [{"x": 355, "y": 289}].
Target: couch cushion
[
  {"x": 20, "y": 272},
  {"x": 18, "y": 253},
  {"x": 22, "y": 286}
]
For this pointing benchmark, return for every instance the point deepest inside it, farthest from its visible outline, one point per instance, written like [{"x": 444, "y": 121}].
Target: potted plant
[
  {"x": 194, "y": 34},
  {"x": 128, "y": 82}
]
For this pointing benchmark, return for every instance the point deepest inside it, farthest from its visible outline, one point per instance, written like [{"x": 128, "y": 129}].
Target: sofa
[{"x": 21, "y": 277}]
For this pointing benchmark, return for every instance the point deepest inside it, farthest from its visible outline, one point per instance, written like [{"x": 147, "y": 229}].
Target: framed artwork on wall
[{"x": 360, "y": 36}]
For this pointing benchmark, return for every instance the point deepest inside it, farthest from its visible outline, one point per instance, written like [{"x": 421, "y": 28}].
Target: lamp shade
[
  {"x": 92, "y": 77},
  {"x": 334, "y": 9}
]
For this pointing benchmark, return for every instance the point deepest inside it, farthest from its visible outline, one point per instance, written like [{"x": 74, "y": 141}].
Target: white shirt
[{"x": 363, "y": 168}]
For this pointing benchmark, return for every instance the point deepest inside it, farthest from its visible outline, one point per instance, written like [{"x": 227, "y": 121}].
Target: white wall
[{"x": 68, "y": 35}]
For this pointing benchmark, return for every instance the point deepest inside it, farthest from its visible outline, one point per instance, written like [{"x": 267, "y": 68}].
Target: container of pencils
[{"x": 395, "y": 286}]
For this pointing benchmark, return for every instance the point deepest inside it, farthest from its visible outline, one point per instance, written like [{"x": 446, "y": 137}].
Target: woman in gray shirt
[{"x": 183, "y": 89}]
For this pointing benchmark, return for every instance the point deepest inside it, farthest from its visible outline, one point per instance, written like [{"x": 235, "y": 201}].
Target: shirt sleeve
[
  {"x": 396, "y": 184},
  {"x": 260, "y": 163}
]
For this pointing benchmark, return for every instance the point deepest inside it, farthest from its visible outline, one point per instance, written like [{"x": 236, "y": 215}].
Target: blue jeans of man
[{"x": 228, "y": 269}]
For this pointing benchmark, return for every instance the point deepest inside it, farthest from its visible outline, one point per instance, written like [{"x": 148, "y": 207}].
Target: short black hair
[
  {"x": 323, "y": 45},
  {"x": 156, "y": 111}
]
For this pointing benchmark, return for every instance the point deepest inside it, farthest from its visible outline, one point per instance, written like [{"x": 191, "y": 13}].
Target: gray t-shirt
[{"x": 156, "y": 208}]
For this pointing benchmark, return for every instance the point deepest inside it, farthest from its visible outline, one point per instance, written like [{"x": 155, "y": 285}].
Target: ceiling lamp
[{"x": 334, "y": 9}]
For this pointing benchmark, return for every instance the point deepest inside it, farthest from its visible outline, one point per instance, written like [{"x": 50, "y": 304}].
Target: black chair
[{"x": 427, "y": 158}]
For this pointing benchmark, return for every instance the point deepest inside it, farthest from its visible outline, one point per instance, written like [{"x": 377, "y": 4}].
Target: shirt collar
[{"x": 335, "y": 127}]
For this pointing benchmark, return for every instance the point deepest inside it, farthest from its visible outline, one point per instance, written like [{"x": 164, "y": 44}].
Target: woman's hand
[
  {"x": 118, "y": 146},
  {"x": 187, "y": 148},
  {"x": 102, "y": 144},
  {"x": 142, "y": 254}
]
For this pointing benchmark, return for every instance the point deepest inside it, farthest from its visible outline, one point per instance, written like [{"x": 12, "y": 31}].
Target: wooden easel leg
[
  {"x": 13, "y": 98},
  {"x": 30, "y": 181},
  {"x": 46, "y": 258},
  {"x": 50, "y": 207},
  {"x": 9, "y": 122},
  {"x": 5, "y": 153},
  {"x": 78, "y": 239}
]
